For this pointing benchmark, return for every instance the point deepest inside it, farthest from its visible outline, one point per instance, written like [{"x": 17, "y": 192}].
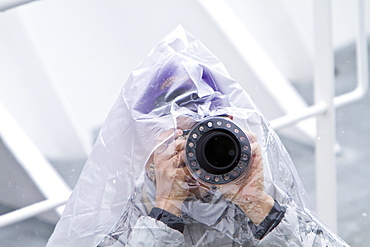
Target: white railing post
[
  {"x": 362, "y": 64},
  {"x": 324, "y": 92}
]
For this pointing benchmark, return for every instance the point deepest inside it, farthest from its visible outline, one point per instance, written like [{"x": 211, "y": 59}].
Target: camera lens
[
  {"x": 218, "y": 152},
  {"x": 214, "y": 152}
]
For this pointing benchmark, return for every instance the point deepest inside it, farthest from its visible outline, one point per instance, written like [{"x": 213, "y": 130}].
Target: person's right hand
[{"x": 170, "y": 173}]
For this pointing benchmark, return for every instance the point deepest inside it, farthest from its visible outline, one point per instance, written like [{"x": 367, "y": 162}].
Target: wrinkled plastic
[{"x": 138, "y": 163}]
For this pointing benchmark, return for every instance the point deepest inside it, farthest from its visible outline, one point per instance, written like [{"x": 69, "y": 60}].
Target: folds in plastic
[{"x": 110, "y": 204}]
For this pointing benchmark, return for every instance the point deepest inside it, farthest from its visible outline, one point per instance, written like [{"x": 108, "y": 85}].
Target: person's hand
[
  {"x": 248, "y": 192},
  {"x": 170, "y": 173}
]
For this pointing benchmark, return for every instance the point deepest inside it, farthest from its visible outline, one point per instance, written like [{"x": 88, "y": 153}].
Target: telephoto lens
[{"x": 217, "y": 151}]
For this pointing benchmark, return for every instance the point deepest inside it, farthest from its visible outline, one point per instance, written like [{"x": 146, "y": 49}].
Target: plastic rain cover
[{"x": 144, "y": 183}]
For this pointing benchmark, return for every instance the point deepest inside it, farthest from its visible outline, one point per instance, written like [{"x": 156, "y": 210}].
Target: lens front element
[{"x": 218, "y": 151}]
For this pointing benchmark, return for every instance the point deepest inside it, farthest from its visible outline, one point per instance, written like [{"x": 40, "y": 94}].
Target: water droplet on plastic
[
  {"x": 364, "y": 214},
  {"x": 114, "y": 181}
]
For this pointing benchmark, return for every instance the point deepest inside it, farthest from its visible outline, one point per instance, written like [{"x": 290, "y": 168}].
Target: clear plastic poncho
[{"x": 137, "y": 189}]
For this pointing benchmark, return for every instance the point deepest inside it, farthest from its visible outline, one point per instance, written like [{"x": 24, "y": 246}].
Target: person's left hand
[{"x": 248, "y": 192}]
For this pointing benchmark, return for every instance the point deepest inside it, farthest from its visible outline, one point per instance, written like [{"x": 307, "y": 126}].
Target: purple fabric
[{"x": 173, "y": 84}]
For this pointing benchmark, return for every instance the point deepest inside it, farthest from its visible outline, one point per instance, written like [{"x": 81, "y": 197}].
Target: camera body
[{"x": 217, "y": 151}]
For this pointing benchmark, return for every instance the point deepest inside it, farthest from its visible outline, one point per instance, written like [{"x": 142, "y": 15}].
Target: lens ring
[{"x": 223, "y": 175}]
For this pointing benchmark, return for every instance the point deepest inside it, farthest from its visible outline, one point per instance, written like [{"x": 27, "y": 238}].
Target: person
[
  {"x": 241, "y": 212},
  {"x": 174, "y": 183},
  {"x": 134, "y": 189}
]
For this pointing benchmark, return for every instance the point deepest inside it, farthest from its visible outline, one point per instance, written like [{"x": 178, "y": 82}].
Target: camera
[{"x": 217, "y": 151}]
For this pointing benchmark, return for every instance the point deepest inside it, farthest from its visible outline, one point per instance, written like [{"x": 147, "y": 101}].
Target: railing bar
[
  {"x": 30, "y": 211},
  {"x": 293, "y": 118},
  {"x": 361, "y": 59}
]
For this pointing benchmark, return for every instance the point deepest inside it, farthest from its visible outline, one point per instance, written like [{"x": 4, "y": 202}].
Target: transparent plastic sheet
[{"x": 138, "y": 187}]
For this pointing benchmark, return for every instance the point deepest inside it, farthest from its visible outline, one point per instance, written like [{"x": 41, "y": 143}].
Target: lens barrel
[{"x": 217, "y": 151}]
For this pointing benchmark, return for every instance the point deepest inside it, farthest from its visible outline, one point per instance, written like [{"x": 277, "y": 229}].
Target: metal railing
[{"x": 323, "y": 105}]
